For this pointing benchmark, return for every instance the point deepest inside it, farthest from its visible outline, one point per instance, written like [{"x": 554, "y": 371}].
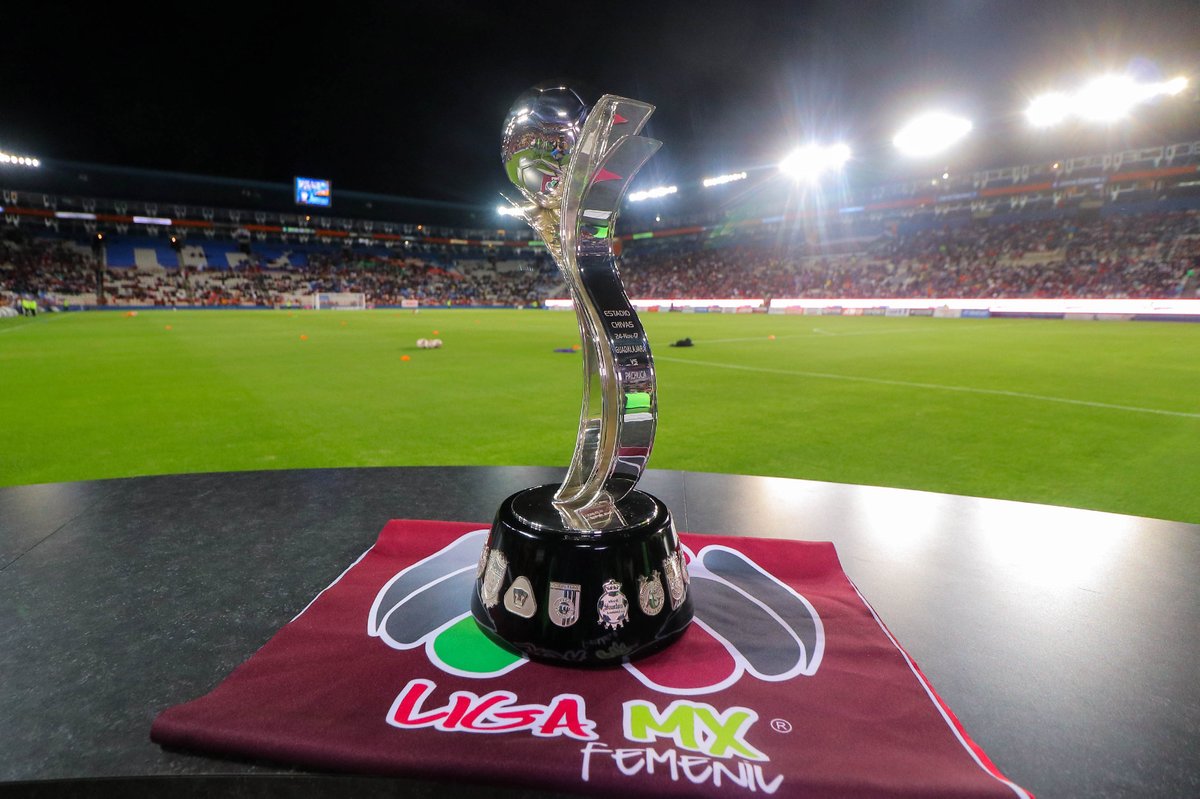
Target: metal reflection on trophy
[{"x": 593, "y": 539}]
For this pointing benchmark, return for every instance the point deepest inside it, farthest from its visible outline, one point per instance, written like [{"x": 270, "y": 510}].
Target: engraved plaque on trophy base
[{"x": 582, "y": 597}]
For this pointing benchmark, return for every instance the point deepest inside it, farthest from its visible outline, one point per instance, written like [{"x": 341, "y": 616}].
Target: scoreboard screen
[{"x": 313, "y": 191}]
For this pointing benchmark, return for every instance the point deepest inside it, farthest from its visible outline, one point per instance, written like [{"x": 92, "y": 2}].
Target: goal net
[{"x": 341, "y": 301}]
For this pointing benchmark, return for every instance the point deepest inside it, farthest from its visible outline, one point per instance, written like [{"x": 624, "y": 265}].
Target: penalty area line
[
  {"x": 20, "y": 326},
  {"x": 933, "y": 386}
]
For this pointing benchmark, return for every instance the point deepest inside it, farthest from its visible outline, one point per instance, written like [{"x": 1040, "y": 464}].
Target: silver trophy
[{"x": 592, "y": 541}]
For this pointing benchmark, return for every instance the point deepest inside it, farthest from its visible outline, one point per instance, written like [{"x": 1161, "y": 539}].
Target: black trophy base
[{"x": 582, "y": 598}]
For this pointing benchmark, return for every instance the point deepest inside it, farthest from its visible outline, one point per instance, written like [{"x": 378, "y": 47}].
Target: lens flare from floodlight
[
  {"x": 723, "y": 179},
  {"x": 1108, "y": 98},
  {"x": 931, "y": 133},
  {"x": 813, "y": 160},
  {"x": 510, "y": 210},
  {"x": 1048, "y": 109},
  {"x": 1174, "y": 86},
  {"x": 652, "y": 194},
  {"x": 801, "y": 163},
  {"x": 838, "y": 155}
]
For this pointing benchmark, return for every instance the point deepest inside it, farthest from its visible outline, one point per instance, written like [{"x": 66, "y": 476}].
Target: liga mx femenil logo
[{"x": 750, "y": 623}]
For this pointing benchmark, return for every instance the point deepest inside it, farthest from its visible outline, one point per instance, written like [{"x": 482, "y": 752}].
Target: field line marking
[
  {"x": 891, "y": 331},
  {"x": 935, "y": 386},
  {"x": 816, "y": 330},
  {"x": 744, "y": 338},
  {"x": 18, "y": 327}
]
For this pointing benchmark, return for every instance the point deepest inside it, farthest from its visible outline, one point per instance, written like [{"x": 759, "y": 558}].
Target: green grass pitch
[{"x": 1086, "y": 414}]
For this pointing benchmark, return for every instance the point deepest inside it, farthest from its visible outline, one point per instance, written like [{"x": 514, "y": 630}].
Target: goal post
[{"x": 340, "y": 301}]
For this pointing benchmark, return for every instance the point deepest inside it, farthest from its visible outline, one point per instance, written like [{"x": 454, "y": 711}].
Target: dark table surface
[{"x": 1066, "y": 641}]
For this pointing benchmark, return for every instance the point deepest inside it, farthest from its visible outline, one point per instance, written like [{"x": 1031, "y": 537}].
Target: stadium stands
[
  {"x": 1151, "y": 255},
  {"x": 1121, "y": 224},
  {"x": 121, "y": 254}
]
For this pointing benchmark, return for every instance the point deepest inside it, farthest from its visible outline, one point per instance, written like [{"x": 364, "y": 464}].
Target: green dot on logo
[{"x": 462, "y": 646}]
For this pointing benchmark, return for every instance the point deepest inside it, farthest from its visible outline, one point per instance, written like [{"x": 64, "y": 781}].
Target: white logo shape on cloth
[{"x": 769, "y": 630}]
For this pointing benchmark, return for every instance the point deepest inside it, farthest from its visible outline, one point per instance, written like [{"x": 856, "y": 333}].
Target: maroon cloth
[{"x": 788, "y": 684}]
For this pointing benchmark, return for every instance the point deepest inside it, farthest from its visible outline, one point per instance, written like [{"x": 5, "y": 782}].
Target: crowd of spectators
[
  {"x": 64, "y": 273},
  {"x": 42, "y": 266},
  {"x": 388, "y": 282},
  {"x": 1145, "y": 256}
]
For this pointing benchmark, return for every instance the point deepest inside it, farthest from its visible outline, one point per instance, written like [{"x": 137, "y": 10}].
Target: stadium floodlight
[
  {"x": 652, "y": 194},
  {"x": 510, "y": 210},
  {"x": 1048, "y": 109},
  {"x": 1108, "y": 98},
  {"x": 19, "y": 160},
  {"x": 813, "y": 160},
  {"x": 723, "y": 179},
  {"x": 1173, "y": 86},
  {"x": 931, "y": 133}
]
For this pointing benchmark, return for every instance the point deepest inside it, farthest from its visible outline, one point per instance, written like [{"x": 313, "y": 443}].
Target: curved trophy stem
[
  {"x": 587, "y": 442},
  {"x": 620, "y": 408},
  {"x": 617, "y": 422}
]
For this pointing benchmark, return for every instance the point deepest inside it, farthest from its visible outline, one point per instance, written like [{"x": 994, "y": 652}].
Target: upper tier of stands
[
  {"x": 1165, "y": 176},
  {"x": 149, "y": 253}
]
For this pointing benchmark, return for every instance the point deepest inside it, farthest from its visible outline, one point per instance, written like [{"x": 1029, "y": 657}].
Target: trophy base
[{"x": 582, "y": 597}]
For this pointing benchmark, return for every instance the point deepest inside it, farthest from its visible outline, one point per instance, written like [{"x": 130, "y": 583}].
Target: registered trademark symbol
[{"x": 781, "y": 725}]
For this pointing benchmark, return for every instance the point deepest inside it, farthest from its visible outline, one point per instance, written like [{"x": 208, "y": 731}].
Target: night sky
[{"x": 408, "y": 98}]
